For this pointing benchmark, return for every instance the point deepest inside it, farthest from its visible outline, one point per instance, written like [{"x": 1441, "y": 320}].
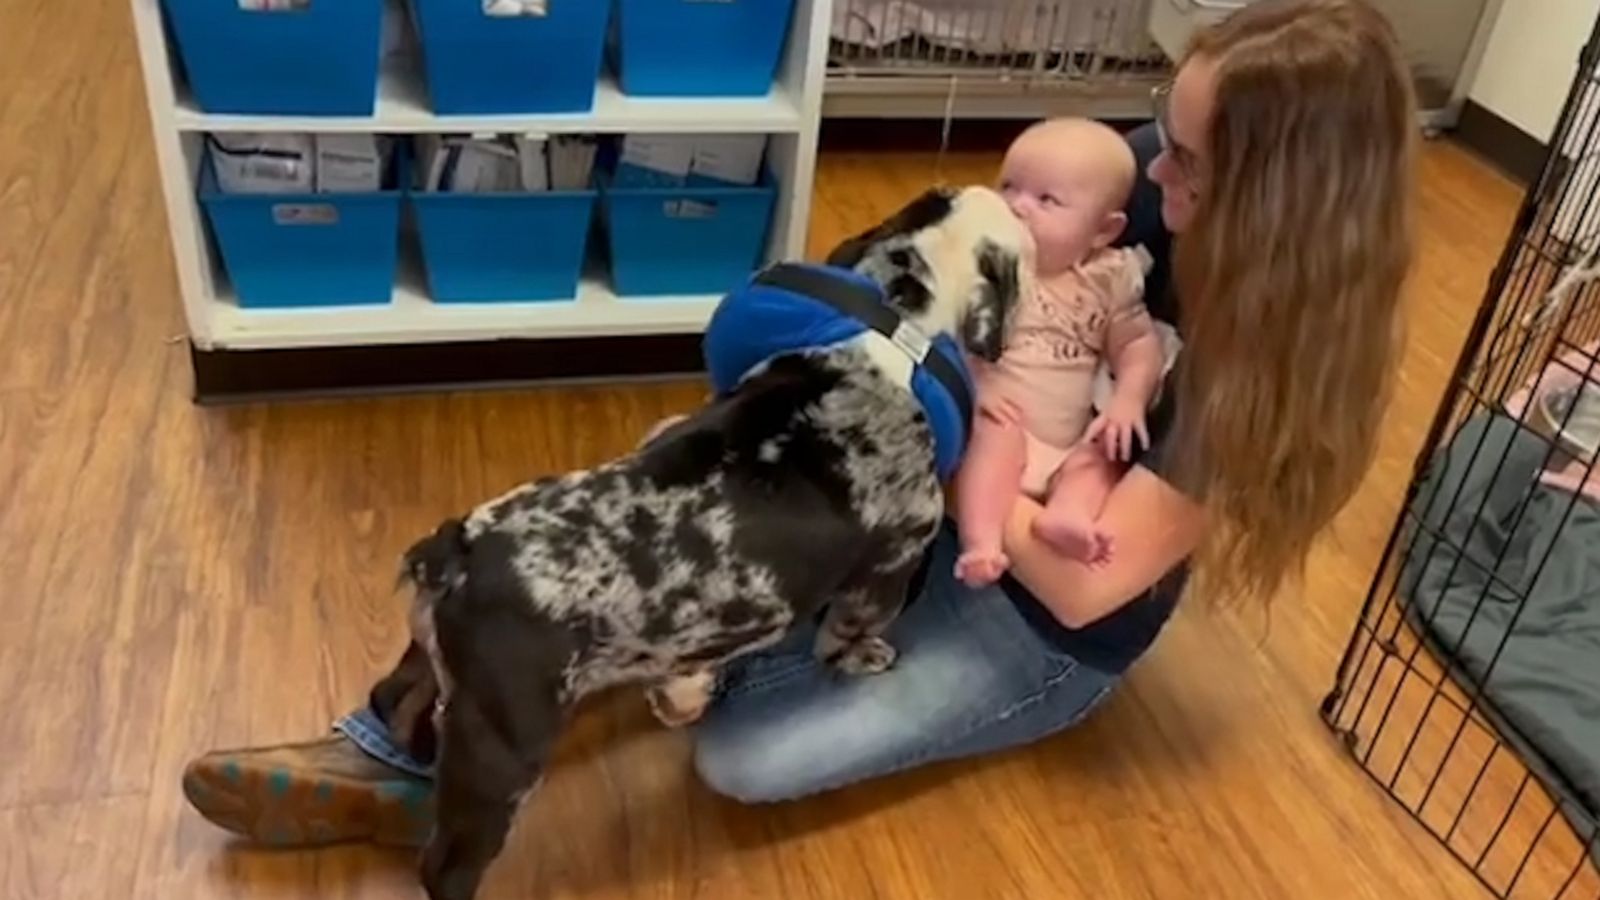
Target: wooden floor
[{"x": 179, "y": 579}]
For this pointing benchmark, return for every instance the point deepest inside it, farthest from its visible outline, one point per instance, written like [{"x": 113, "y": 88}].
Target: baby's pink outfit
[{"x": 1058, "y": 335}]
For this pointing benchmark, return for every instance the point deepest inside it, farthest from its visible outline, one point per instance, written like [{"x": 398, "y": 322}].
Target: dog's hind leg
[
  {"x": 484, "y": 773},
  {"x": 850, "y": 638},
  {"x": 496, "y": 725}
]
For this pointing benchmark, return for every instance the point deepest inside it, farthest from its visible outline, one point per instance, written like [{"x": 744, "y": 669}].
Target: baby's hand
[
  {"x": 999, "y": 409},
  {"x": 1117, "y": 427}
]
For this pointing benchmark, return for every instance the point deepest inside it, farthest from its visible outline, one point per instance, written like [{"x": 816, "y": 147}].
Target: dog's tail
[{"x": 438, "y": 562}]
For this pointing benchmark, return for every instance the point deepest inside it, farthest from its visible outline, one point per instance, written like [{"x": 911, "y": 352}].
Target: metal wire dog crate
[
  {"x": 998, "y": 59},
  {"x": 1470, "y": 688},
  {"x": 991, "y": 58}
]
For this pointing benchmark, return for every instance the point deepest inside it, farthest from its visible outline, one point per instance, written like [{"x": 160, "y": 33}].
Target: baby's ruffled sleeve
[{"x": 1121, "y": 285}]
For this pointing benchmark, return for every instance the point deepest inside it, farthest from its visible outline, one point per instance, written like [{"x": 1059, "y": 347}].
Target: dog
[{"x": 811, "y": 485}]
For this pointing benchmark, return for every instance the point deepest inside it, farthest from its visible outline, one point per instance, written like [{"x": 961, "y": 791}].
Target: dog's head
[{"x": 952, "y": 261}]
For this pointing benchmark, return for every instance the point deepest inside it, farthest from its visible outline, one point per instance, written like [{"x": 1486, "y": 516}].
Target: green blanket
[{"x": 1481, "y": 494}]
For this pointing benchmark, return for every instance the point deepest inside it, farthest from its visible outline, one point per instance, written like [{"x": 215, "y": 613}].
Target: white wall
[{"x": 1529, "y": 61}]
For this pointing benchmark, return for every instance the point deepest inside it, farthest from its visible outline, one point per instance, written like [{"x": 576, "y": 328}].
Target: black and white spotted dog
[{"x": 810, "y": 485}]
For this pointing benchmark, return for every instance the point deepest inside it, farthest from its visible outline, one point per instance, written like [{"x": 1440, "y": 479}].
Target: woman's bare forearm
[{"x": 1153, "y": 527}]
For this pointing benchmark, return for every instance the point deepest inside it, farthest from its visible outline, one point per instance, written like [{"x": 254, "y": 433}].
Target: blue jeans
[{"x": 972, "y": 677}]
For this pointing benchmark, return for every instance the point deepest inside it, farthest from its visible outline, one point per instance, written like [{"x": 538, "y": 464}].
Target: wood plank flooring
[{"x": 179, "y": 579}]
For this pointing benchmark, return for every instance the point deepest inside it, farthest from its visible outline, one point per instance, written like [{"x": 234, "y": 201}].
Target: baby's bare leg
[
  {"x": 987, "y": 482},
  {"x": 1077, "y": 495}
]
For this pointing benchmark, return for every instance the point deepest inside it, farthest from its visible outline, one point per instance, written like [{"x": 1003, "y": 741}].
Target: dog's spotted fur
[{"x": 811, "y": 486}]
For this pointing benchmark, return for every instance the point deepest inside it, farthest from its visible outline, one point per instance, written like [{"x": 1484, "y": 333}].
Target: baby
[{"x": 1068, "y": 180}]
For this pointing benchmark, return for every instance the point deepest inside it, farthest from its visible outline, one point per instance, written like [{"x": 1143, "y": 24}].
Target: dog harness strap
[{"x": 863, "y": 303}]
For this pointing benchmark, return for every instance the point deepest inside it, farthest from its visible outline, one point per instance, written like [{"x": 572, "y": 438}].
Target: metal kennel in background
[
  {"x": 991, "y": 58},
  {"x": 1470, "y": 687},
  {"x": 1001, "y": 59}
]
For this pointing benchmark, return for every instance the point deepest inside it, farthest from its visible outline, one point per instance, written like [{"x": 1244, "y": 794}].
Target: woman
[{"x": 1282, "y": 158}]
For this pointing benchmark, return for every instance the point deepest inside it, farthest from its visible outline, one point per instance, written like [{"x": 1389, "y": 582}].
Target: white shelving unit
[{"x": 790, "y": 114}]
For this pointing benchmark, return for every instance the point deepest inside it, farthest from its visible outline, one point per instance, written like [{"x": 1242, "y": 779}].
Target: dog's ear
[
  {"x": 1000, "y": 284},
  {"x": 929, "y": 208},
  {"x": 438, "y": 560},
  {"x": 849, "y": 253},
  {"x": 404, "y": 700}
]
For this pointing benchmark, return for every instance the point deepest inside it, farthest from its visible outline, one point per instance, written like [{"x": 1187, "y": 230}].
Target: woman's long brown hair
[{"x": 1290, "y": 280}]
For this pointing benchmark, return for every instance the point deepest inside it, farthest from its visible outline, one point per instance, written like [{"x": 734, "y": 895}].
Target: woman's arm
[{"x": 1153, "y": 528}]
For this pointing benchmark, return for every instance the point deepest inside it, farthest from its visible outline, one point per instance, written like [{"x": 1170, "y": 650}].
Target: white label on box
[
  {"x": 349, "y": 163},
  {"x": 305, "y": 214},
  {"x": 483, "y": 167},
  {"x": 734, "y": 158},
  {"x": 247, "y": 163},
  {"x": 274, "y": 5},
  {"x": 668, "y": 154}
]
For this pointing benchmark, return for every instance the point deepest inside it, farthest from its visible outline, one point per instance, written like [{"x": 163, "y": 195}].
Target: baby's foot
[
  {"x": 981, "y": 568},
  {"x": 1075, "y": 538}
]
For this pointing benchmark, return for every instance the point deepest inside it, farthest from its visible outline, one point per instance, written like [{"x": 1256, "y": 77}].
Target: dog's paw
[
  {"x": 681, "y": 701},
  {"x": 866, "y": 656}
]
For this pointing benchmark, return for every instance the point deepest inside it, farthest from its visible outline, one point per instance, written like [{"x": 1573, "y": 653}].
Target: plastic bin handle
[
  {"x": 274, "y": 6},
  {"x": 292, "y": 214},
  {"x": 517, "y": 9},
  {"x": 690, "y": 209}
]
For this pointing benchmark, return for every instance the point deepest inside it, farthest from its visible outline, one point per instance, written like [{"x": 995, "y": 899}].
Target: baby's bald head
[
  {"x": 1080, "y": 149},
  {"x": 1068, "y": 180}
]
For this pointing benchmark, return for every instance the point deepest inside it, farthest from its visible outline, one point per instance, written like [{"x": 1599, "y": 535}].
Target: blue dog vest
[{"x": 793, "y": 307}]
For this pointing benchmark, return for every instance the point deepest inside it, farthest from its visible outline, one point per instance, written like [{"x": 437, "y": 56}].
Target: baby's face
[{"x": 1061, "y": 194}]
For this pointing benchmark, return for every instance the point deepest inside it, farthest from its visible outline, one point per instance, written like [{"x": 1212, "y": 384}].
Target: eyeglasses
[{"x": 1160, "y": 100}]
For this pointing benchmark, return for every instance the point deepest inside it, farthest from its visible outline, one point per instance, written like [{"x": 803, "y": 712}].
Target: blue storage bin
[
  {"x": 288, "y": 250},
  {"x": 699, "y": 48},
  {"x": 482, "y": 64},
  {"x": 686, "y": 240},
  {"x": 503, "y": 247},
  {"x": 322, "y": 60}
]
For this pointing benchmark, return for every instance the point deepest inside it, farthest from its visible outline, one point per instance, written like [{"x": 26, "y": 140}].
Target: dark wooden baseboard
[
  {"x": 223, "y": 376},
  {"x": 1514, "y": 151}
]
